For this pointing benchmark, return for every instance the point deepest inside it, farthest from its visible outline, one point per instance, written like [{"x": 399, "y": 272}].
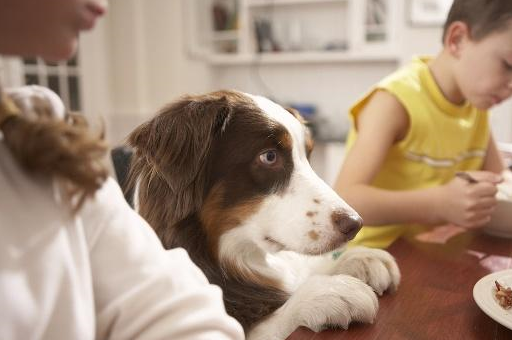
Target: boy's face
[{"x": 484, "y": 69}]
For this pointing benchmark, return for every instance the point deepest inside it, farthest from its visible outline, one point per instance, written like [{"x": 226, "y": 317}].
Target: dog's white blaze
[{"x": 284, "y": 217}]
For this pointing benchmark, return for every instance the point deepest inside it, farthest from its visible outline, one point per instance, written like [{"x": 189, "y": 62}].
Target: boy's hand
[{"x": 466, "y": 203}]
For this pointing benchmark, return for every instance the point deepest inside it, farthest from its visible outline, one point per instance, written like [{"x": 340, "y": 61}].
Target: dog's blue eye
[{"x": 268, "y": 157}]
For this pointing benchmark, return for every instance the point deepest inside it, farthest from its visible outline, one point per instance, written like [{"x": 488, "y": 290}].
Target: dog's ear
[
  {"x": 176, "y": 143},
  {"x": 296, "y": 114},
  {"x": 309, "y": 135}
]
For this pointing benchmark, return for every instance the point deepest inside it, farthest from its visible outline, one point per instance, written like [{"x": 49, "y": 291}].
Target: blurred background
[{"x": 318, "y": 56}]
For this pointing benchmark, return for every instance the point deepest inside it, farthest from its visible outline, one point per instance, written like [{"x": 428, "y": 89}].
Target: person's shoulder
[
  {"x": 385, "y": 108},
  {"x": 406, "y": 78},
  {"x": 107, "y": 209},
  {"x": 396, "y": 88},
  {"x": 107, "y": 198},
  {"x": 107, "y": 202},
  {"x": 386, "y": 101},
  {"x": 110, "y": 192},
  {"x": 382, "y": 112},
  {"x": 407, "y": 85}
]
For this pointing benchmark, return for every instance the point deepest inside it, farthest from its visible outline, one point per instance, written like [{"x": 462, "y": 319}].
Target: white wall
[
  {"x": 333, "y": 87},
  {"x": 10, "y": 72},
  {"x": 95, "y": 72},
  {"x": 171, "y": 70},
  {"x": 148, "y": 61}
]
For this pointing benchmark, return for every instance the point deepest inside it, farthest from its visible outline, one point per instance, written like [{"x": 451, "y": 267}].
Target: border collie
[{"x": 226, "y": 176}]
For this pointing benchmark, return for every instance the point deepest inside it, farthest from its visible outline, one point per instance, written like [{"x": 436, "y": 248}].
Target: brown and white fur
[{"x": 226, "y": 176}]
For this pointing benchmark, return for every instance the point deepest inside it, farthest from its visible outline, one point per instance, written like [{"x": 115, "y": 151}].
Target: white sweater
[{"x": 100, "y": 275}]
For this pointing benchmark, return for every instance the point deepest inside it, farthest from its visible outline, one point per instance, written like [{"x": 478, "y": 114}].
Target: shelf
[
  {"x": 312, "y": 24},
  {"x": 268, "y": 3},
  {"x": 227, "y": 35},
  {"x": 301, "y": 57},
  {"x": 372, "y": 28}
]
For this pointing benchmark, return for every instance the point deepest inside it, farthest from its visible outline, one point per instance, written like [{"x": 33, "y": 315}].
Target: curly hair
[{"x": 50, "y": 144}]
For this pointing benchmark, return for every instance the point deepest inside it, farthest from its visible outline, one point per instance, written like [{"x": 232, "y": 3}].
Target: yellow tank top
[{"x": 443, "y": 138}]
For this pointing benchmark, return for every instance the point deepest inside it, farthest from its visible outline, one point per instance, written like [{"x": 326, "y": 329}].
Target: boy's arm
[
  {"x": 493, "y": 160},
  {"x": 382, "y": 123}
]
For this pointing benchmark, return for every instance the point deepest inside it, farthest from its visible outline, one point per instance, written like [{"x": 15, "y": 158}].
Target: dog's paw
[
  {"x": 323, "y": 301},
  {"x": 375, "y": 267}
]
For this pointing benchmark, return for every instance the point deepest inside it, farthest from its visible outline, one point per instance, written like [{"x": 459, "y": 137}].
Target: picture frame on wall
[{"x": 428, "y": 12}]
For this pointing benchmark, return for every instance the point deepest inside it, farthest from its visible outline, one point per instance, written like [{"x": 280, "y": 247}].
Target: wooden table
[{"x": 435, "y": 297}]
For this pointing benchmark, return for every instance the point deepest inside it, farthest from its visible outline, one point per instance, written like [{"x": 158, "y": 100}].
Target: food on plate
[{"x": 503, "y": 295}]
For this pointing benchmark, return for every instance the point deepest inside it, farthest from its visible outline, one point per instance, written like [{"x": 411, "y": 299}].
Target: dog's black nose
[{"x": 348, "y": 224}]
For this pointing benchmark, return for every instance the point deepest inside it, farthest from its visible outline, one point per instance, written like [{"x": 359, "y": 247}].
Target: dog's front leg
[
  {"x": 321, "y": 301},
  {"x": 375, "y": 267}
]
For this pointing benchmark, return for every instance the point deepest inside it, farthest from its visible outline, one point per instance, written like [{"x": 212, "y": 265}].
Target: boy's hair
[{"x": 482, "y": 16}]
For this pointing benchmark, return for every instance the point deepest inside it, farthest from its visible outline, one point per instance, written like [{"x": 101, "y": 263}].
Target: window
[{"x": 63, "y": 78}]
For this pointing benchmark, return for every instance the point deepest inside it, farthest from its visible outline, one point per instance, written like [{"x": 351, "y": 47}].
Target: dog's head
[{"x": 239, "y": 163}]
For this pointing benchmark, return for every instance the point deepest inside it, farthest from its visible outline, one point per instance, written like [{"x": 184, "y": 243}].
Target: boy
[{"x": 421, "y": 125}]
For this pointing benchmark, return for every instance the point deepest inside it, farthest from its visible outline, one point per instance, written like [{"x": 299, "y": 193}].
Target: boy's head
[
  {"x": 478, "y": 38},
  {"x": 481, "y": 16}
]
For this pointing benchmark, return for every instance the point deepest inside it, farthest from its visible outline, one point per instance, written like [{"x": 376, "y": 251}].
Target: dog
[{"x": 226, "y": 176}]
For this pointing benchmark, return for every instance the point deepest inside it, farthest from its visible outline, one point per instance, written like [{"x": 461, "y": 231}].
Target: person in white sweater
[{"x": 76, "y": 262}]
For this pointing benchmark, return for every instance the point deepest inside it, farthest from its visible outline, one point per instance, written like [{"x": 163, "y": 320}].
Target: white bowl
[{"x": 501, "y": 220}]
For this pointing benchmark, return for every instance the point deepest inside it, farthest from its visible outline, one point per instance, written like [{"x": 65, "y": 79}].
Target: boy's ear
[
  {"x": 457, "y": 34},
  {"x": 176, "y": 144}
]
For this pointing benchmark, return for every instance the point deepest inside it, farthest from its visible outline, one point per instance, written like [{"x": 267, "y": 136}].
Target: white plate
[{"x": 483, "y": 293}]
